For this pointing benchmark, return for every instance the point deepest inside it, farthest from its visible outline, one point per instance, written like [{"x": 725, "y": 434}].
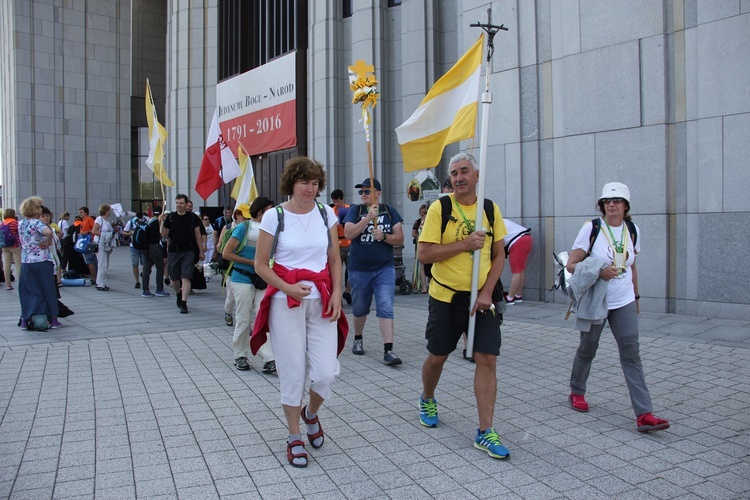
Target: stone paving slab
[{"x": 149, "y": 409}]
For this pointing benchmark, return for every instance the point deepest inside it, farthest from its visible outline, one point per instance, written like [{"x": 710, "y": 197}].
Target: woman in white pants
[
  {"x": 104, "y": 232},
  {"x": 302, "y": 304},
  {"x": 240, "y": 250}
]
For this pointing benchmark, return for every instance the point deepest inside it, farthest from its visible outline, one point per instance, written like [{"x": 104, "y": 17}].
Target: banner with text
[{"x": 258, "y": 108}]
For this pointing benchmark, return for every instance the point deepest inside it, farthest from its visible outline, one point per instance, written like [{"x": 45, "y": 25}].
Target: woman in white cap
[{"x": 611, "y": 244}]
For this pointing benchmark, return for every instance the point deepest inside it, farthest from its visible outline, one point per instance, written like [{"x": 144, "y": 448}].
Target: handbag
[
  {"x": 92, "y": 247},
  {"x": 82, "y": 243}
]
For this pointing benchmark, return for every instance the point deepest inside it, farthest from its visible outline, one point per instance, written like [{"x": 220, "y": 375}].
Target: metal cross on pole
[{"x": 492, "y": 30}]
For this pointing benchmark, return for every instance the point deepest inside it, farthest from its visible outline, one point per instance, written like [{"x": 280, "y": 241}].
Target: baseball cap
[
  {"x": 615, "y": 190},
  {"x": 156, "y": 210},
  {"x": 366, "y": 183},
  {"x": 245, "y": 209}
]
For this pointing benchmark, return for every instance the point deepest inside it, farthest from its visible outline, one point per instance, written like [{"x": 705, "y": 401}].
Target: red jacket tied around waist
[{"x": 321, "y": 280}]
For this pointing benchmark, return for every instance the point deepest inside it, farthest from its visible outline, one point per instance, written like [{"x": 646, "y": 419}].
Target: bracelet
[{"x": 637, "y": 297}]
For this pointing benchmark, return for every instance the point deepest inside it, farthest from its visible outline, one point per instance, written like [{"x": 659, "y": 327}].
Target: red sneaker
[
  {"x": 648, "y": 422},
  {"x": 578, "y": 402}
]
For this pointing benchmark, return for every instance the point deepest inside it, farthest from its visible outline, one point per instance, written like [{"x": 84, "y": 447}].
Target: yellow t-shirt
[{"x": 455, "y": 272}]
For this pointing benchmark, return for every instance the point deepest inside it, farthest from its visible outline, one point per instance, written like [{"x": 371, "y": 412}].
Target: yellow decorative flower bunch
[{"x": 365, "y": 91}]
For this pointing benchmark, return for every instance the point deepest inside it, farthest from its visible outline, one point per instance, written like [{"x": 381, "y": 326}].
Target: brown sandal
[
  {"x": 291, "y": 456},
  {"x": 313, "y": 437}
]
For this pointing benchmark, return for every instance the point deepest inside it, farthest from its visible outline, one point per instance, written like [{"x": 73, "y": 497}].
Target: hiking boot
[
  {"x": 146, "y": 294},
  {"x": 348, "y": 297},
  {"x": 228, "y": 319},
  {"x": 183, "y": 307},
  {"x": 391, "y": 359},
  {"x": 648, "y": 422},
  {"x": 358, "y": 347},
  {"x": 578, "y": 402},
  {"x": 137, "y": 285},
  {"x": 269, "y": 367},
  {"x": 161, "y": 293},
  {"x": 490, "y": 442},
  {"x": 242, "y": 364},
  {"x": 428, "y": 414}
]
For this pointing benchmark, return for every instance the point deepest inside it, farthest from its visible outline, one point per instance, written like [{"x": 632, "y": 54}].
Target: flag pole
[
  {"x": 491, "y": 30},
  {"x": 365, "y": 91},
  {"x": 366, "y": 118},
  {"x": 153, "y": 106}
]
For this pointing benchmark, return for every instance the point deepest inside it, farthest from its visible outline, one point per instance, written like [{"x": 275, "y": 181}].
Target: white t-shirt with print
[{"x": 620, "y": 291}]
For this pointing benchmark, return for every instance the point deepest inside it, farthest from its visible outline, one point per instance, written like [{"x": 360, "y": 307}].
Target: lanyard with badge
[
  {"x": 469, "y": 225},
  {"x": 618, "y": 247}
]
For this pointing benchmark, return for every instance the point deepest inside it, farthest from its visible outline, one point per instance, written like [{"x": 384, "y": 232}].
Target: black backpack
[
  {"x": 140, "y": 234},
  {"x": 489, "y": 210}
]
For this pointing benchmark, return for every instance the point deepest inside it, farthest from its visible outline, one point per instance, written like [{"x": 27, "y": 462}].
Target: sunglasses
[
  {"x": 364, "y": 191},
  {"x": 612, "y": 200}
]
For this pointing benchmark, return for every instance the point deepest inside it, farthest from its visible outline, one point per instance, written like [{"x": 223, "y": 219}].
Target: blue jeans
[{"x": 365, "y": 284}]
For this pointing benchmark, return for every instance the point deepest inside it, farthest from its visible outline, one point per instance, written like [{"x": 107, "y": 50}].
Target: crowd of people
[{"x": 287, "y": 269}]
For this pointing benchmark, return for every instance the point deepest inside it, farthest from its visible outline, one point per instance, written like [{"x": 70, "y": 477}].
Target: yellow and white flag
[
  {"x": 447, "y": 114},
  {"x": 157, "y": 136},
  {"x": 244, "y": 190}
]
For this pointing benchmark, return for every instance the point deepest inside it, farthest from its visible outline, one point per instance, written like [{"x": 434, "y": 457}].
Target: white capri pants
[
  {"x": 299, "y": 335},
  {"x": 247, "y": 300}
]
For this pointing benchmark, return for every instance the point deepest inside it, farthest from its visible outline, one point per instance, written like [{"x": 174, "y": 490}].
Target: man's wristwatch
[{"x": 385, "y": 236}]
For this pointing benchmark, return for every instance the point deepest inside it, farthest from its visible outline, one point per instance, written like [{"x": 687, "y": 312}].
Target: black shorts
[
  {"x": 180, "y": 265},
  {"x": 447, "y": 321}
]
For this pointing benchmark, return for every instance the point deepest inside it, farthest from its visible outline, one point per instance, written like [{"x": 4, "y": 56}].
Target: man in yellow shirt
[{"x": 451, "y": 250}]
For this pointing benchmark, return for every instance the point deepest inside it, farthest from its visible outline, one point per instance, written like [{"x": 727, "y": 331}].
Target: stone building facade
[{"x": 652, "y": 93}]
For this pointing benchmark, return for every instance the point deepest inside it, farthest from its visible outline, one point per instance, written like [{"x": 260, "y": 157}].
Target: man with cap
[
  {"x": 374, "y": 229},
  {"x": 152, "y": 256}
]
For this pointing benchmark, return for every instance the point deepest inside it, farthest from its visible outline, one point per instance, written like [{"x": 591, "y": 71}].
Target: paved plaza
[{"x": 130, "y": 399}]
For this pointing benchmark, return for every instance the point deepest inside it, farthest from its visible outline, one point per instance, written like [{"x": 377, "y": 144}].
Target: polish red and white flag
[{"x": 219, "y": 164}]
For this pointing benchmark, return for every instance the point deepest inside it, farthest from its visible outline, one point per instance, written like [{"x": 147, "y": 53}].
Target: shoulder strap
[
  {"x": 445, "y": 212},
  {"x": 279, "y": 228},
  {"x": 489, "y": 210},
  {"x": 632, "y": 230},
  {"x": 324, "y": 214},
  {"x": 243, "y": 243},
  {"x": 596, "y": 225}
]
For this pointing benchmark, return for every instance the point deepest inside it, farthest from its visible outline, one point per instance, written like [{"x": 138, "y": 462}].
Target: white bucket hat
[{"x": 615, "y": 190}]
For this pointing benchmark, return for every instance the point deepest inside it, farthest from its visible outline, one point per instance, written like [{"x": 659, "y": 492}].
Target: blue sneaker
[
  {"x": 428, "y": 414},
  {"x": 162, "y": 293},
  {"x": 146, "y": 294},
  {"x": 490, "y": 442}
]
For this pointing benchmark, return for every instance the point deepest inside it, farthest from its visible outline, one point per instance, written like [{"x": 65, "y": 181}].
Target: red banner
[{"x": 268, "y": 129}]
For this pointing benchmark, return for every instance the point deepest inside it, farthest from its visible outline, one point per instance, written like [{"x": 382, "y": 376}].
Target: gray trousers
[{"x": 624, "y": 325}]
